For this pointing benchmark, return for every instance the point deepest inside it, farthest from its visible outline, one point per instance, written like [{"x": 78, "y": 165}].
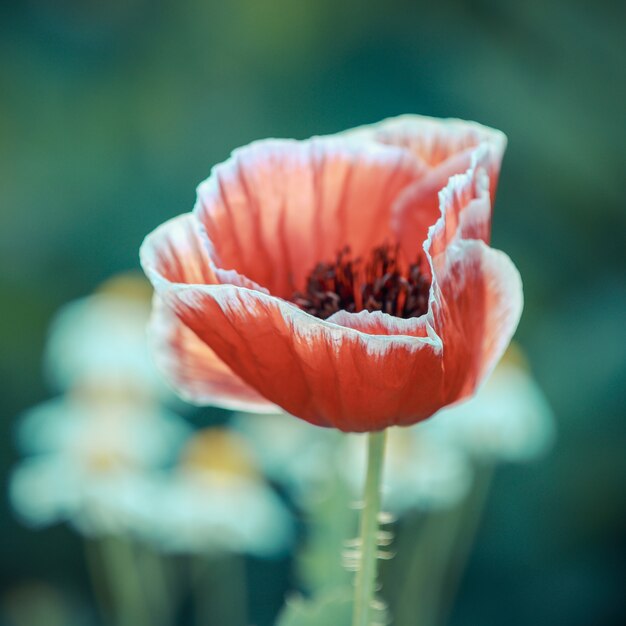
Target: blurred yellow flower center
[
  {"x": 105, "y": 460},
  {"x": 515, "y": 357},
  {"x": 129, "y": 285},
  {"x": 219, "y": 451}
]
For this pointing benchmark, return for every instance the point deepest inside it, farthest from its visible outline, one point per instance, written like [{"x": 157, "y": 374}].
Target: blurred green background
[{"x": 112, "y": 112}]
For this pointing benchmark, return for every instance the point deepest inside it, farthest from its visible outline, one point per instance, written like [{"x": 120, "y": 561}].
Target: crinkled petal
[
  {"x": 196, "y": 372},
  {"x": 464, "y": 207},
  {"x": 448, "y": 148},
  {"x": 432, "y": 140},
  {"x": 321, "y": 372},
  {"x": 176, "y": 250},
  {"x": 180, "y": 250},
  {"x": 462, "y": 199},
  {"x": 276, "y": 208},
  {"x": 476, "y": 314}
]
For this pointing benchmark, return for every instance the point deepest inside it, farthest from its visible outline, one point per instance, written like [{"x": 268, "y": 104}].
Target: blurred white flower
[
  {"x": 293, "y": 453},
  {"x": 87, "y": 425},
  {"x": 53, "y": 488},
  {"x": 216, "y": 501},
  {"x": 101, "y": 339},
  {"x": 94, "y": 454},
  {"x": 93, "y": 462},
  {"x": 509, "y": 419},
  {"x": 422, "y": 470}
]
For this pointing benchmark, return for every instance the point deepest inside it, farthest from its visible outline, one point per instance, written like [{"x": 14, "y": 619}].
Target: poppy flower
[{"x": 346, "y": 279}]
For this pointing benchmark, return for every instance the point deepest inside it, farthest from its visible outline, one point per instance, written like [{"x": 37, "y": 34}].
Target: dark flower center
[{"x": 383, "y": 282}]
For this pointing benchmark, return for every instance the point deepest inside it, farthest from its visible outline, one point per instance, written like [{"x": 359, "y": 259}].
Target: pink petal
[
  {"x": 195, "y": 371},
  {"x": 379, "y": 323},
  {"x": 176, "y": 250},
  {"x": 476, "y": 312},
  {"x": 316, "y": 370},
  {"x": 433, "y": 140},
  {"x": 464, "y": 207},
  {"x": 279, "y": 207},
  {"x": 447, "y": 147}
]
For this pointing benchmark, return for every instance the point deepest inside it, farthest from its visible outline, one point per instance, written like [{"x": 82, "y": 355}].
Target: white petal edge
[{"x": 162, "y": 324}]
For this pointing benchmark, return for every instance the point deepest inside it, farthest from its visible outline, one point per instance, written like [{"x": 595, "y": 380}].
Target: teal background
[{"x": 112, "y": 112}]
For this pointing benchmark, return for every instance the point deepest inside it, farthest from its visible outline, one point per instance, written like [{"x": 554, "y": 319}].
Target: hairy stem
[{"x": 365, "y": 581}]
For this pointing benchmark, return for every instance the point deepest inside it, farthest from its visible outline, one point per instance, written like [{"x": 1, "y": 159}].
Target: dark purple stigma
[{"x": 382, "y": 283}]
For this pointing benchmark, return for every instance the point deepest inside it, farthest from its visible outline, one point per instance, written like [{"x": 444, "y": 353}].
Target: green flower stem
[
  {"x": 470, "y": 523},
  {"x": 98, "y": 578},
  {"x": 365, "y": 581},
  {"x": 220, "y": 594},
  {"x": 119, "y": 563},
  {"x": 157, "y": 584},
  {"x": 438, "y": 557}
]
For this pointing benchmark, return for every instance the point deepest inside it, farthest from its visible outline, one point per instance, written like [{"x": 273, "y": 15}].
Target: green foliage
[
  {"x": 333, "y": 608},
  {"x": 331, "y": 521}
]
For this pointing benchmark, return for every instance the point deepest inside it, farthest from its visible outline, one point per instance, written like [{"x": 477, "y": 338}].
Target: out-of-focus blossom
[
  {"x": 95, "y": 453},
  {"x": 346, "y": 279},
  {"x": 216, "y": 501},
  {"x": 422, "y": 470},
  {"x": 92, "y": 462},
  {"x": 293, "y": 453},
  {"x": 85, "y": 424},
  {"x": 101, "y": 340},
  {"x": 509, "y": 419},
  {"x": 49, "y": 489}
]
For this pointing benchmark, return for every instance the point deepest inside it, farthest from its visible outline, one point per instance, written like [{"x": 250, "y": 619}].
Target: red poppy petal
[
  {"x": 180, "y": 251},
  {"x": 419, "y": 206},
  {"x": 321, "y": 372},
  {"x": 279, "y": 207},
  {"x": 432, "y": 140},
  {"x": 379, "y": 323},
  {"x": 448, "y": 147},
  {"x": 464, "y": 206},
  {"x": 476, "y": 314},
  {"x": 176, "y": 251},
  {"x": 194, "y": 370}
]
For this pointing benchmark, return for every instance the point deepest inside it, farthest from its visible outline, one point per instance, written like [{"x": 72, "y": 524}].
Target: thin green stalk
[
  {"x": 365, "y": 581},
  {"x": 438, "y": 557},
  {"x": 97, "y": 578},
  {"x": 466, "y": 537},
  {"x": 156, "y": 584},
  {"x": 119, "y": 562},
  {"x": 430, "y": 545},
  {"x": 220, "y": 594}
]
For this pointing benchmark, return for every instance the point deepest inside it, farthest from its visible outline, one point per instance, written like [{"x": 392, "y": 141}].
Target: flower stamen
[{"x": 385, "y": 282}]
